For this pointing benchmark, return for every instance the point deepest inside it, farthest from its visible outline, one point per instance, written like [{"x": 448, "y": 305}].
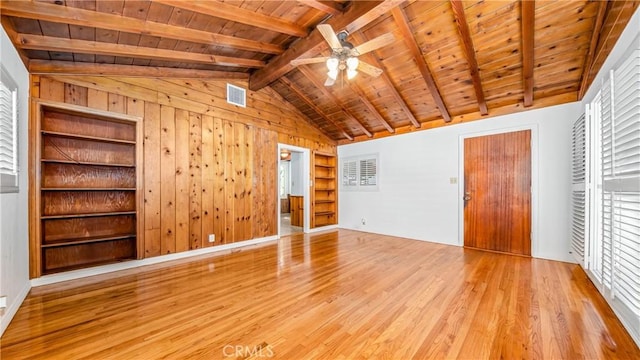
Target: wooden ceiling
[{"x": 453, "y": 60}]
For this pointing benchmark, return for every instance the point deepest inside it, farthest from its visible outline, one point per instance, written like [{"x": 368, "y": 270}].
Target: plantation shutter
[
  {"x": 368, "y": 172},
  {"x": 349, "y": 176},
  {"x": 621, "y": 183},
  {"x": 8, "y": 133},
  {"x": 578, "y": 195},
  {"x": 606, "y": 166},
  {"x": 7, "y": 128}
]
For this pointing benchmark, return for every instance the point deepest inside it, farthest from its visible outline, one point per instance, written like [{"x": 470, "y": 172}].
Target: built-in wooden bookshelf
[
  {"x": 88, "y": 188},
  {"x": 324, "y": 209}
]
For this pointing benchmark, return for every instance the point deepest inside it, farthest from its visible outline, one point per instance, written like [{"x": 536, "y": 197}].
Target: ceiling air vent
[{"x": 236, "y": 95}]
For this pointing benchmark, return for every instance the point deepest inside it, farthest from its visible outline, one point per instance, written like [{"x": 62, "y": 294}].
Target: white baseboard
[
  {"x": 98, "y": 270},
  {"x": 11, "y": 311},
  {"x": 322, "y": 228}
]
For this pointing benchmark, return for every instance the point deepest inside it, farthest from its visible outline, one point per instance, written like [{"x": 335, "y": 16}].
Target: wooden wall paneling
[
  {"x": 239, "y": 169},
  {"x": 234, "y": 193},
  {"x": 249, "y": 148},
  {"x": 76, "y": 95},
  {"x": 208, "y": 179},
  {"x": 205, "y": 97},
  {"x": 195, "y": 180},
  {"x": 219, "y": 180},
  {"x": 136, "y": 107},
  {"x": 117, "y": 103},
  {"x": 97, "y": 99},
  {"x": 229, "y": 180},
  {"x": 258, "y": 197},
  {"x": 51, "y": 89},
  {"x": 152, "y": 179},
  {"x": 182, "y": 179},
  {"x": 270, "y": 179},
  {"x": 168, "y": 183}
]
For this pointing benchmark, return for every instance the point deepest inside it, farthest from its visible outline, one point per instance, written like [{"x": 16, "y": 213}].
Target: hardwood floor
[{"x": 338, "y": 295}]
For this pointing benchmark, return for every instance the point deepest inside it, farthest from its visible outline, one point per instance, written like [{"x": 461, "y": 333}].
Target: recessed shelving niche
[{"x": 86, "y": 201}]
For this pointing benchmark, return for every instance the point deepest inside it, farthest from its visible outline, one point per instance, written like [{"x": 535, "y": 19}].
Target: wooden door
[{"x": 497, "y": 205}]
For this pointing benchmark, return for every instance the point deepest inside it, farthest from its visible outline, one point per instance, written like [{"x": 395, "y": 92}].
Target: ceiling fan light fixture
[
  {"x": 352, "y": 63},
  {"x": 333, "y": 74},
  {"x": 332, "y": 64},
  {"x": 351, "y": 73}
]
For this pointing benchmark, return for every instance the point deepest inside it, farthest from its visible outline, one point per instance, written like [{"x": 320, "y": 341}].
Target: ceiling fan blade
[
  {"x": 296, "y": 62},
  {"x": 376, "y": 43},
  {"x": 330, "y": 36},
  {"x": 329, "y": 82},
  {"x": 369, "y": 69}
]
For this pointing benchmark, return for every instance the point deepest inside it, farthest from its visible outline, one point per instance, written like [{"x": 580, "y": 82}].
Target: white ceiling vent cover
[{"x": 236, "y": 95}]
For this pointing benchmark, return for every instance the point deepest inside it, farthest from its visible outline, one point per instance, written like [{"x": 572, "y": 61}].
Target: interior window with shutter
[
  {"x": 621, "y": 182},
  {"x": 611, "y": 201},
  {"x": 578, "y": 190},
  {"x": 368, "y": 172},
  {"x": 8, "y": 133},
  {"x": 349, "y": 176},
  {"x": 360, "y": 173}
]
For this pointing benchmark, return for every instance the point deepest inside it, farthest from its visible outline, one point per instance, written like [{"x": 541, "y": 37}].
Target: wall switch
[
  {"x": 212, "y": 238},
  {"x": 3, "y": 302},
  {"x": 453, "y": 180}
]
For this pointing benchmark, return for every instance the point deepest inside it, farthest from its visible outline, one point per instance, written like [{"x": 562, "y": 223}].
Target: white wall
[
  {"x": 14, "y": 233},
  {"x": 416, "y": 200},
  {"x": 296, "y": 174}
]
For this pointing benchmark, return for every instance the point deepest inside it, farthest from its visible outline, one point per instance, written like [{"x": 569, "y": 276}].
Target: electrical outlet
[
  {"x": 364, "y": 221},
  {"x": 3, "y": 302},
  {"x": 212, "y": 238}
]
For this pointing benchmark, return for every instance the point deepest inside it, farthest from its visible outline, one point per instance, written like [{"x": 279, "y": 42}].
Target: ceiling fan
[{"x": 344, "y": 56}]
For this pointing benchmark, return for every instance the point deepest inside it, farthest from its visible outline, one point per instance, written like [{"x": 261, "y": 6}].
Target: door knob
[{"x": 467, "y": 196}]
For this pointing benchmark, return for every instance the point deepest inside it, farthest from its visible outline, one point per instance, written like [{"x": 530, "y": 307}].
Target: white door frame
[
  {"x": 306, "y": 168},
  {"x": 534, "y": 180}
]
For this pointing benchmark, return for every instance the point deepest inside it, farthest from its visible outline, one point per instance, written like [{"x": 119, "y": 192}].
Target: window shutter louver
[
  {"x": 578, "y": 223},
  {"x": 627, "y": 117},
  {"x": 7, "y": 129}
]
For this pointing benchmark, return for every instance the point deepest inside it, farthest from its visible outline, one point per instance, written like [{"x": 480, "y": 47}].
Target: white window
[
  {"x": 360, "y": 173},
  {"x": 606, "y": 194},
  {"x": 8, "y": 133}
]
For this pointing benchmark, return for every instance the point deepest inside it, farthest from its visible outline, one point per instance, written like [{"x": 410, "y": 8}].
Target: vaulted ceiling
[{"x": 452, "y": 61}]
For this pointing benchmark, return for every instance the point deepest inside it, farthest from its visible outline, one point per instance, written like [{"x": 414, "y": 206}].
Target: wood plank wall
[{"x": 209, "y": 167}]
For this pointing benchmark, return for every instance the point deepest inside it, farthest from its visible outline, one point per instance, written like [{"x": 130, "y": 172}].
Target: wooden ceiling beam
[
  {"x": 470, "y": 53},
  {"x": 300, "y": 93},
  {"x": 372, "y": 109},
  {"x": 328, "y": 7},
  {"x": 528, "y": 9},
  {"x": 48, "y": 43},
  {"x": 354, "y": 17},
  {"x": 402, "y": 22},
  {"x": 328, "y": 94},
  {"x": 595, "y": 35},
  {"x": 13, "y": 36},
  {"x": 236, "y": 14},
  {"x": 80, "y": 17},
  {"x": 361, "y": 38},
  {"x": 45, "y": 67}
]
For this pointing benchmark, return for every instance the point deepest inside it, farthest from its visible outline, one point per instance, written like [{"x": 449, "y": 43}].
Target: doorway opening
[{"x": 293, "y": 190}]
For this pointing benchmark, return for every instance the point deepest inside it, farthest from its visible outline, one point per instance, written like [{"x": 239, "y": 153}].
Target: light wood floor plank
[{"x": 336, "y": 295}]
